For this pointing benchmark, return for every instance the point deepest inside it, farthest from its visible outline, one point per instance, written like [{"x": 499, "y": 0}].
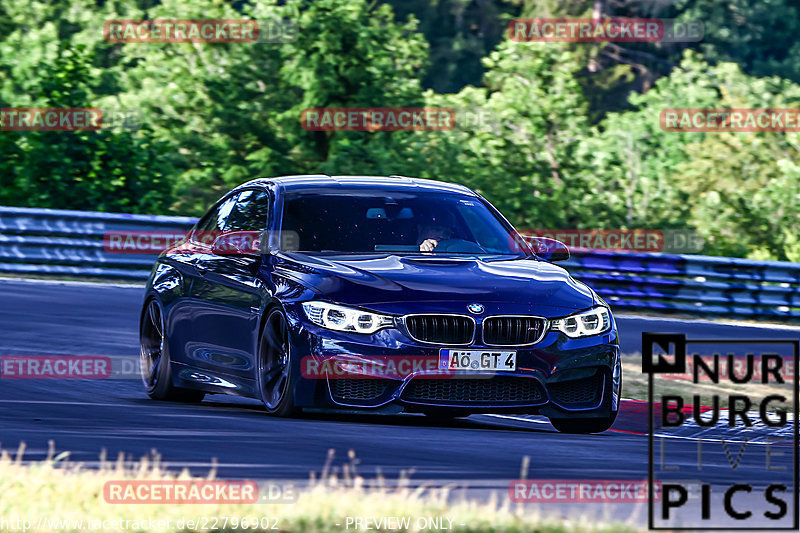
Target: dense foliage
[{"x": 556, "y": 135}]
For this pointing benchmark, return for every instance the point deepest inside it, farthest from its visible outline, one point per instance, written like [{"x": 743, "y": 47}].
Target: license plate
[{"x": 477, "y": 360}]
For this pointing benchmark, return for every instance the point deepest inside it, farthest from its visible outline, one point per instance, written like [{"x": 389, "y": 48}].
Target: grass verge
[{"x": 52, "y": 495}]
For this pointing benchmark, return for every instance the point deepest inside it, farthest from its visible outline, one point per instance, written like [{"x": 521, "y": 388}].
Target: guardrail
[
  {"x": 71, "y": 243},
  {"x": 693, "y": 284}
]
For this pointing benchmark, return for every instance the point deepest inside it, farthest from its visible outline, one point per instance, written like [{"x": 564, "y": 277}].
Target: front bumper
[{"x": 557, "y": 377}]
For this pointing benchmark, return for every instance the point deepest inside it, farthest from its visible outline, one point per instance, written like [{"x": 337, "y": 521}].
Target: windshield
[{"x": 359, "y": 221}]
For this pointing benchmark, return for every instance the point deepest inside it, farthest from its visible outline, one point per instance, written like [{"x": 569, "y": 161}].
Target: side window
[
  {"x": 250, "y": 212},
  {"x": 216, "y": 220}
]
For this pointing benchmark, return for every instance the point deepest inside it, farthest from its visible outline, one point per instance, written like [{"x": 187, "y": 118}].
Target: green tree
[
  {"x": 232, "y": 112},
  {"x": 515, "y": 139},
  {"x": 110, "y": 169},
  {"x": 761, "y": 37},
  {"x": 734, "y": 189},
  {"x": 460, "y": 33}
]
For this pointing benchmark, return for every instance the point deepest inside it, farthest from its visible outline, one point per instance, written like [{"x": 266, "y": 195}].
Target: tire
[
  {"x": 583, "y": 425},
  {"x": 274, "y": 367},
  {"x": 154, "y": 360}
]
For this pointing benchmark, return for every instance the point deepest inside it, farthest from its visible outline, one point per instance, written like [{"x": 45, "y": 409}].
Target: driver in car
[{"x": 439, "y": 228}]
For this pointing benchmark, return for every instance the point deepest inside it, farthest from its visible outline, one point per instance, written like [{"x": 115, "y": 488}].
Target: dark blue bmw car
[{"x": 376, "y": 294}]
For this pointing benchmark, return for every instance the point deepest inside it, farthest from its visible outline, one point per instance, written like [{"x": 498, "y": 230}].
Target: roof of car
[{"x": 312, "y": 181}]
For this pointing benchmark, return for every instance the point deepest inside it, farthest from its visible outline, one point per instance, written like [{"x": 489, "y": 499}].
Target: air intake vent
[
  {"x": 578, "y": 391},
  {"x": 441, "y": 329},
  {"x": 358, "y": 389},
  {"x": 474, "y": 391},
  {"x": 512, "y": 330}
]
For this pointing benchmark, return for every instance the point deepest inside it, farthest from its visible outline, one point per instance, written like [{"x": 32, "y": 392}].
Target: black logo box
[{"x": 678, "y": 366}]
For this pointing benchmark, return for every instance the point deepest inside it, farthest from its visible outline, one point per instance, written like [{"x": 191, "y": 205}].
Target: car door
[
  {"x": 228, "y": 294},
  {"x": 182, "y": 259}
]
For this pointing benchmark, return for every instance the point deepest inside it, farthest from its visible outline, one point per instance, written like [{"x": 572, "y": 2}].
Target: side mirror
[
  {"x": 246, "y": 243},
  {"x": 549, "y": 249}
]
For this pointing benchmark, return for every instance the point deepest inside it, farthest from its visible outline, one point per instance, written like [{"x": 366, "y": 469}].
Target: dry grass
[{"x": 57, "y": 490}]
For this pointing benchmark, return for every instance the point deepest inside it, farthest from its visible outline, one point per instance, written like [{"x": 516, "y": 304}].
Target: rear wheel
[
  {"x": 154, "y": 361},
  {"x": 274, "y": 368}
]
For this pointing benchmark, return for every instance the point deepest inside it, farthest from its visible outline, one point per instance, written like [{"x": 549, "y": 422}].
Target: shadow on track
[{"x": 243, "y": 407}]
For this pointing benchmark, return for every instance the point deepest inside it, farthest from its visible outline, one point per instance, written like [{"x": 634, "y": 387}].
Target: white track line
[{"x": 508, "y": 417}]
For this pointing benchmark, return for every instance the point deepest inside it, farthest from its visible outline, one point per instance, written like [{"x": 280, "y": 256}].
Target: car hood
[{"x": 392, "y": 283}]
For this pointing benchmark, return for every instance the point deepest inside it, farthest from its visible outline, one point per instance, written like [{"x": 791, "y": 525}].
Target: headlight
[
  {"x": 340, "y": 318},
  {"x": 592, "y": 322}
]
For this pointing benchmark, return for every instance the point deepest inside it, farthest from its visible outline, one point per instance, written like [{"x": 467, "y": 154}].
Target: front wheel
[
  {"x": 274, "y": 368},
  {"x": 154, "y": 360}
]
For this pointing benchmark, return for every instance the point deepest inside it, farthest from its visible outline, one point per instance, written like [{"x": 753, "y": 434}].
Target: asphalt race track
[{"x": 86, "y": 417}]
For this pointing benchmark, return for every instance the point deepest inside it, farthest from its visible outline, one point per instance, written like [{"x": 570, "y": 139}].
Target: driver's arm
[{"x": 428, "y": 245}]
